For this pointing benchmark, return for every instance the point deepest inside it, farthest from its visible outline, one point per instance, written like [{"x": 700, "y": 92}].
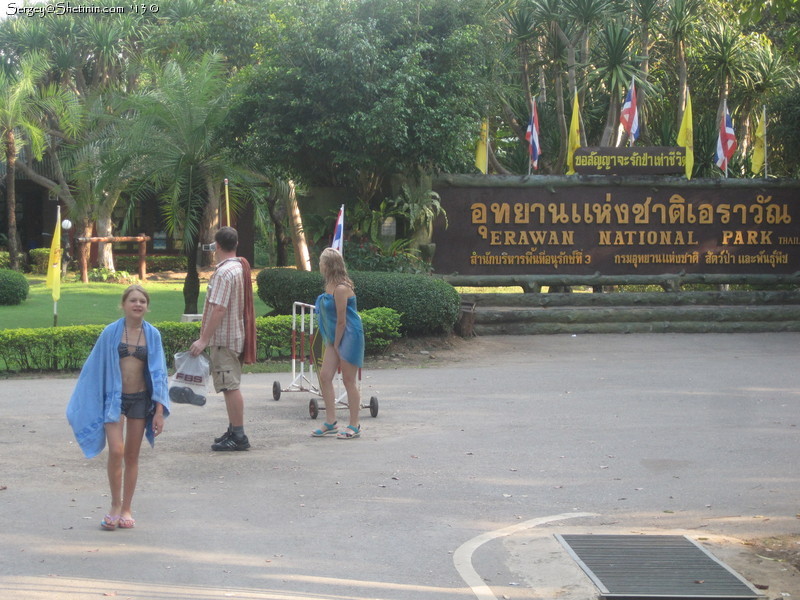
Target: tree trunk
[
  {"x": 211, "y": 222},
  {"x": 191, "y": 284},
  {"x": 641, "y": 93},
  {"x": 282, "y": 241},
  {"x": 524, "y": 51},
  {"x": 494, "y": 163},
  {"x": 11, "y": 199},
  {"x": 84, "y": 250},
  {"x": 105, "y": 226},
  {"x": 612, "y": 119},
  {"x": 562, "y": 126},
  {"x": 682, "y": 76},
  {"x": 571, "y": 60},
  {"x": 301, "y": 257}
]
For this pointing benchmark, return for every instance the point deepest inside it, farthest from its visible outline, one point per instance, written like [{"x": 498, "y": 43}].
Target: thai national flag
[
  {"x": 726, "y": 142},
  {"x": 532, "y": 135},
  {"x": 629, "y": 116},
  {"x": 338, "y": 232}
]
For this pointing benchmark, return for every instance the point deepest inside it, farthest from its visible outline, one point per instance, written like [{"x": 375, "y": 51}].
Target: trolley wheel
[
  {"x": 373, "y": 406},
  {"x": 313, "y": 408},
  {"x": 276, "y": 390}
]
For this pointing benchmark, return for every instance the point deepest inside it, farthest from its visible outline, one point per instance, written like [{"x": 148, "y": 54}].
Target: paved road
[{"x": 453, "y": 492}]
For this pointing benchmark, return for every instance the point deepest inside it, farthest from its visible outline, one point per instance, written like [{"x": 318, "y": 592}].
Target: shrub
[
  {"x": 103, "y": 275},
  {"x": 39, "y": 260},
  {"x": 280, "y": 287},
  {"x": 426, "y": 305},
  {"x": 366, "y": 256},
  {"x": 5, "y": 259},
  {"x": 66, "y": 348},
  {"x": 156, "y": 263},
  {"x": 13, "y": 287}
]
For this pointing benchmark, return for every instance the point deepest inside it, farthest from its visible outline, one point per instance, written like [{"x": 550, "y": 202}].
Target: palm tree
[
  {"x": 681, "y": 18},
  {"x": 614, "y": 69},
  {"x": 767, "y": 75},
  {"x": 646, "y": 13},
  {"x": 587, "y": 16},
  {"x": 90, "y": 58},
  {"x": 24, "y": 111},
  {"x": 170, "y": 144},
  {"x": 556, "y": 41},
  {"x": 724, "y": 56}
]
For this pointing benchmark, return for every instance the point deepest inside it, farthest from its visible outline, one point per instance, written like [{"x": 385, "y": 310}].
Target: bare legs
[
  {"x": 331, "y": 363},
  {"x": 234, "y": 403},
  {"x": 123, "y": 463}
]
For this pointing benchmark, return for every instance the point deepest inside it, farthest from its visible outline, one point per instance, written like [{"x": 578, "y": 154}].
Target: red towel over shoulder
[{"x": 249, "y": 315}]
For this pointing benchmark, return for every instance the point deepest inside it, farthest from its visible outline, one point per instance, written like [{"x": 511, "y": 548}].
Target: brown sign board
[
  {"x": 645, "y": 160},
  {"x": 618, "y": 230}
]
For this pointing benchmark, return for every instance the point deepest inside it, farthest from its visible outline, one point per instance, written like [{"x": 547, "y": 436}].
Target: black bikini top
[{"x": 139, "y": 352}]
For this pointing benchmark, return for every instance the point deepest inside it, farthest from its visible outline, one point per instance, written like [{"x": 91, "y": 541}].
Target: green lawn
[
  {"x": 92, "y": 304},
  {"x": 99, "y": 304}
]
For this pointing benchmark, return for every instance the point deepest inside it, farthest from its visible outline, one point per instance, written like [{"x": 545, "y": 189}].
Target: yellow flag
[
  {"x": 686, "y": 135},
  {"x": 482, "y": 151},
  {"x": 53, "y": 280},
  {"x": 574, "y": 140},
  {"x": 759, "y": 146}
]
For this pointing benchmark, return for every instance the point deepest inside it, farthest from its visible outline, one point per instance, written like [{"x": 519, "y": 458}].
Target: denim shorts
[{"x": 138, "y": 405}]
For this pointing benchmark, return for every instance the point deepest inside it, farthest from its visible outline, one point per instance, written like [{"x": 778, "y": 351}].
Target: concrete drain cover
[{"x": 654, "y": 566}]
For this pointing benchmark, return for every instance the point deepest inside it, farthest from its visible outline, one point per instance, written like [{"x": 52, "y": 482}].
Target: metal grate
[{"x": 654, "y": 566}]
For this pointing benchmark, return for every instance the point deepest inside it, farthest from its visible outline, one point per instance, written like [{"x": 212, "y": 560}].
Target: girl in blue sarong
[{"x": 343, "y": 335}]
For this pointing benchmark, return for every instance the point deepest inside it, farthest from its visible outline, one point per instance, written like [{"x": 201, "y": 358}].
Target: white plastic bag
[{"x": 191, "y": 382}]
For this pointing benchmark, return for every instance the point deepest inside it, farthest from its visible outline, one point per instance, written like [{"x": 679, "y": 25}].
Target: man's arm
[{"x": 215, "y": 318}]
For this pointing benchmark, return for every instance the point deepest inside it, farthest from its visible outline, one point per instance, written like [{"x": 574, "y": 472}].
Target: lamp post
[{"x": 66, "y": 242}]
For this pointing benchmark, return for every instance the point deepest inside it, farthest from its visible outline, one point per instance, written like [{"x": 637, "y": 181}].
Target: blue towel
[
  {"x": 97, "y": 397},
  {"x": 351, "y": 348}
]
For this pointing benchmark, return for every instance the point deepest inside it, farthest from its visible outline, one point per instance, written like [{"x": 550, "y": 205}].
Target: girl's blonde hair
[
  {"x": 135, "y": 288},
  {"x": 333, "y": 269}
]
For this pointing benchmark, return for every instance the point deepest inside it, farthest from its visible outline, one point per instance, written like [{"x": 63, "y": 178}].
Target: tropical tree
[
  {"x": 92, "y": 59},
  {"x": 767, "y": 75},
  {"x": 169, "y": 136},
  {"x": 723, "y": 48},
  {"x": 25, "y": 108},
  {"x": 346, "y": 94},
  {"x": 614, "y": 69},
  {"x": 646, "y": 15},
  {"x": 682, "y": 16}
]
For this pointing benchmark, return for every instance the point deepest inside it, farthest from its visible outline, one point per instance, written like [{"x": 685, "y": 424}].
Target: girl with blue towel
[
  {"x": 343, "y": 335},
  {"x": 121, "y": 397}
]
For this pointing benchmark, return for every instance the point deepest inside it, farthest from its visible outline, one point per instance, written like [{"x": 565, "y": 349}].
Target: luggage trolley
[{"x": 307, "y": 349}]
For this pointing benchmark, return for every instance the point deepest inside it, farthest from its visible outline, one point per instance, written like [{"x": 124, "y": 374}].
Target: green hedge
[
  {"x": 426, "y": 305},
  {"x": 156, "y": 263},
  {"x": 66, "y": 348},
  {"x": 5, "y": 259}
]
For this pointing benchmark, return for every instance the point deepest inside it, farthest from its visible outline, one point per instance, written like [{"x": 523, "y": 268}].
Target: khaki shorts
[{"x": 226, "y": 369}]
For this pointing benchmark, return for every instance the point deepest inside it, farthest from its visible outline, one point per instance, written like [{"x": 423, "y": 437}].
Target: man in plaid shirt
[{"x": 223, "y": 332}]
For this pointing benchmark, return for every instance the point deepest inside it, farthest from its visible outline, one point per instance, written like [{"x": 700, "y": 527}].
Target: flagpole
[
  {"x": 227, "y": 205},
  {"x": 764, "y": 116},
  {"x": 724, "y": 126},
  {"x": 530, "y": 141},
  {"x": 55, "y": 302}
]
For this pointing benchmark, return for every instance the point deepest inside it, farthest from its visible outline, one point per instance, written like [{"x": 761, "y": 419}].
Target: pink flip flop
[{"x": 109, "y": 523}]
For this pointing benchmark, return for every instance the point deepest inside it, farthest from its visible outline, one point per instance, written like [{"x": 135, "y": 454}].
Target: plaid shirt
[{"x": 226, "y": 288}]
